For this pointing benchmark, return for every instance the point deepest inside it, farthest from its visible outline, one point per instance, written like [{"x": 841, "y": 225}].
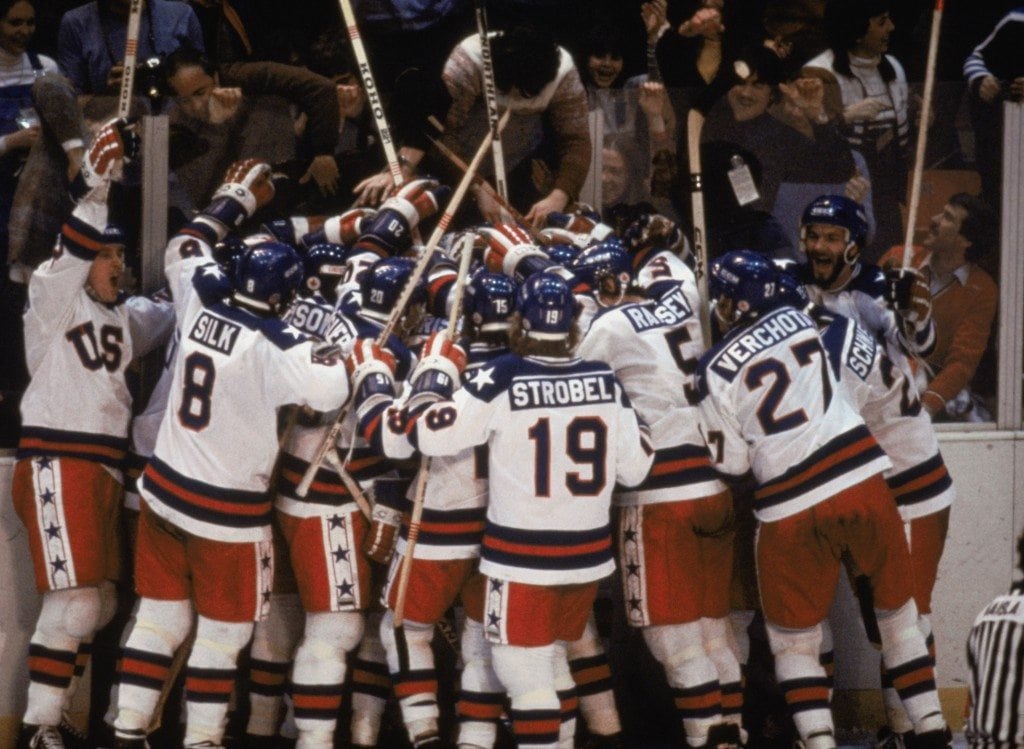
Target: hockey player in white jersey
[
  {"x": 547, "y": 539},
  {"x": 771, "y": 403},
  {"x": 324, "y": 530},
  {"x": 81, "y": 333},
  {"x": 675, "y": 530},
  {"x": 446, "y": 555},
  {"x": 204, "y": 528},
  {"x": 893, "y": 305},
  {"x": 886, "y": 399}
]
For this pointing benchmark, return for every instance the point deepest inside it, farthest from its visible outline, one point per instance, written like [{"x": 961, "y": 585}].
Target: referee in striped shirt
[{"x": 995, "y": 654}]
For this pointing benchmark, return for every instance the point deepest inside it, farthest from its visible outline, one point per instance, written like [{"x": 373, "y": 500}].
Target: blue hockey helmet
[
  {"x": 382, "y": 284},
  {"x": 790, "y": 291},
  {"x": 837, "y": 210},
  {"x": 562, "y": 253},
  {"x": 547, "y": 307},
  {"x": 267, "y": 275},
  {"x": 747, "y": 279},
  {"x": 604, "y": 267},
  {"x": 115, "y": 234},
  {"x": 325, "y": 265},
  {"x": 490, "y": 301}
]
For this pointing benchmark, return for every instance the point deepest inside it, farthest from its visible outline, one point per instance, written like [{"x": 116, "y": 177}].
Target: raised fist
[
  {"x": 252, "y": 176},
  {"x": 115, "y": 142},
  {"x": 422, "y": 196},
  {"x": 908, "y": 293},
  {"x": 246, "y": 187},
  {"x": 507, "y": 246}
]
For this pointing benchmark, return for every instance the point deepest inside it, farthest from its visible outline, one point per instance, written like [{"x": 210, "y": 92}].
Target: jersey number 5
[{"x": 586, "y": 443}]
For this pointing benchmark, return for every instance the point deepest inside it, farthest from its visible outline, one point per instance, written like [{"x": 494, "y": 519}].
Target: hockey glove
[
  {"x": 372, "y": 370},
  {"x": 390, "y": 231},
  {"x": 585, "y": 221},
  {"x": 437, "y": 375},
  {"x": 116, "y": 141},
  {"x": 553, "y": 235},
  {"x": 246, "y": 187},
  {"x": 908, "y": 294},
  {"x": 510, "y": 251},
  {"x": 343, "y": 229},
  {"x": 389, "y": 503}
]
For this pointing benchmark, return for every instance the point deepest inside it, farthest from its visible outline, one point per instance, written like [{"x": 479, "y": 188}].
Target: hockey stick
[
  {"x": 416, "y": 516},
  {"x": 491, "y": 99},
  {"x": 350, "y": 483},
  {"x": 694, "y": 124},
  {"x": 417, "y": 272},
  {"x": 486, "y": 186},
  {"x": 131, "y": 48},
  {"x": 372, "y": 94},
  {"x": 922, "y": 136}
]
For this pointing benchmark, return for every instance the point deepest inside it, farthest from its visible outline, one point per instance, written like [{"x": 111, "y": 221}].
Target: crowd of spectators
[{"x": 802, "y": 97}]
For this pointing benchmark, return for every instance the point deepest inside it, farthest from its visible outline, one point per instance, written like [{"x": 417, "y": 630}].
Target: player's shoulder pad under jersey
[
  {"x": 834, "y": 337},
  {"x": 210, "y": 283},
  {"x": 491, "y": 378},
  {"x": 870, "y": 280}
]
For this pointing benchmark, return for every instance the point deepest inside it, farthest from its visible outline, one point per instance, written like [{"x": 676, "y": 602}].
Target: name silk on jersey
[
  {"x": 217, "y": 443},
  {"x": 771, "y": 404}
]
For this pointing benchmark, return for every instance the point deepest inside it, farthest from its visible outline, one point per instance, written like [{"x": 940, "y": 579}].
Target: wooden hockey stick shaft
[
  {"x": 486, "y": 186},
  {"x": 351, "y": 484},
  {"x": 372, "y": 93},
  {"x": 131, "y": 49},
  {"x": 416, "y": 515},
  {"x": 694, "y": 124},
  {"x": 417, "y": 272},
  {"x": 491, "y": 99},
  {"x": 922, "y": 136}
]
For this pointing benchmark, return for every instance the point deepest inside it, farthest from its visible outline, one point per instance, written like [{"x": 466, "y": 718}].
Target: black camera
[{"x": 149, "y": 78}]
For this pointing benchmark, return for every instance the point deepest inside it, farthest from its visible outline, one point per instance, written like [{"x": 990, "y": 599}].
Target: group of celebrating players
[{"x": 520, "y": 415}]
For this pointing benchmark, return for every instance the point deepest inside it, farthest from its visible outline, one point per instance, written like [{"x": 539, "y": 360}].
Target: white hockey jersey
[
  {"x": 216, "y": 447},
  {"x": 77, "y": 349},
  {"x": 887, "y": 401},
  {"x": 340, "y": 326},
  {"x": 862, "y": 298},
  {"x": 455, "y": 498},
  {"x": 653, "y": 347},
  {"x": 771, "y": 404},
  {"x": 559, "y": 434}
]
